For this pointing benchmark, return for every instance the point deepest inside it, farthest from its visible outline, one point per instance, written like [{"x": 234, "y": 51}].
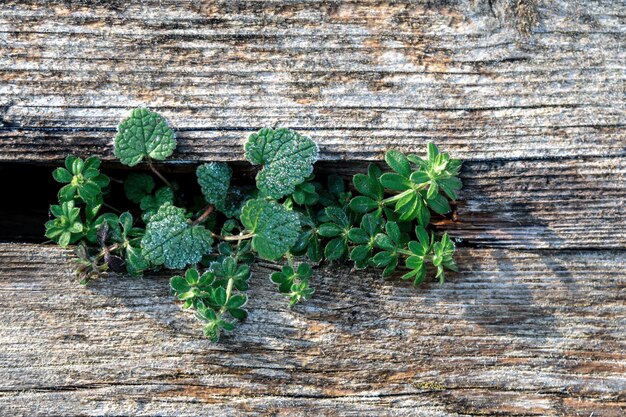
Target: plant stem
[
  {"x": 115, "y": 209},
  {"x": 104, "y": 251},
  {"x": 158, "y": 174},
  {"x": 229, "y": 290},
  {"x": 405, "y": 252},
  {"x": 289, "y": 257},
  {"x": 397, "y": 197},
  {"x": 232, "y": 238},
  {"x": 207, "y": 211}
]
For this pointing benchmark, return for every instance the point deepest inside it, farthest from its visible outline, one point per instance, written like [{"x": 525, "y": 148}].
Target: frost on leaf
[
  {"x": 286, "y": 156},
  {"x": 172, "y": 241},
  {"x": 214, "y": 179},
  {"x": 275, "y": 228},
  {"x": 143, "y": 134}
]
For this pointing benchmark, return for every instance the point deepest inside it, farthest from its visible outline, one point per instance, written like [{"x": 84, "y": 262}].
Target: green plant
[{"x": 289, "y": 217}]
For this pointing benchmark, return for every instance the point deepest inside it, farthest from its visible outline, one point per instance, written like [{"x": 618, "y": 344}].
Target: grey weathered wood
[
  {"x": 529, "y": 92},
  {"x": 577, "y": 203},
  {"x": 359, "y": 77},
  {"x": 515, "y": 333}
]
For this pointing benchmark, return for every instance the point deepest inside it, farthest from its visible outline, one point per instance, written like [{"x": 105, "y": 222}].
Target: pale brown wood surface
[
  {"x": 359, "y": 77},
  {"x": 515, "y": 333},
  {"x": 530, "y": 93}
]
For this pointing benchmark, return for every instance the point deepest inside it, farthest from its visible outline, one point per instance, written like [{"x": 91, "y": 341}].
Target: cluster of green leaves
[{"x": 290, "y": 216}]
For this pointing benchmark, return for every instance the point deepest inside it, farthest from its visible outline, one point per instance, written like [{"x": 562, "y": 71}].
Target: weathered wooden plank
[
  {"x": 515, "y": 333},
  {"x": 360, "y": 77},
  {"x": 542, "y": 204}
]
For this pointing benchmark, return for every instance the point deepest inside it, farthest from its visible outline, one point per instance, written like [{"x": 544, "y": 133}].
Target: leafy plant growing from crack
[{"x": 290, "y": 217}]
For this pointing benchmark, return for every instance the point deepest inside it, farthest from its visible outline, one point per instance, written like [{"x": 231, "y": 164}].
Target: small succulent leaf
[
  {"x": 382, "y": 259},
  {"x": 337, "y": 216},
  {"x": 179, "y": 284},
  {"x": 238, "y": 313},
  {"x": 314, "y": 251},
  {"x": 433, "y": 151},
  {"x": 69, "y": 163},
  {"x": 192, "y": 276},
  {"x": 330, "y": 230},
  {"x": 171, "y": 241},
  {"x": 336, "y": 249},
  {"x": 422, "y": 235},
  {"x": 384, "y": 242},
  {"x": 236, "y": 301},
  {"x": 305, "y": 270},
  {"x": 395, "y": 182},
  {"x": 419, "y": 177},
  {"x": 439, "y": 204},
  {"x": 358, "y": 236},
  {"x": 93, "y": 162},
  {"x": 90, "y": 192},
  {"x": 433, "y": 189},
  {"x": 450, "y": 186},
  {"x": 62, "y": 175},
  {"x": 360, "y": 253},
  {"x": 135, "y": 262},
  {"x": 393, "y": 231},
  {"x": 126, "y": 220},
  {"x": 143, "y": 134},
  {"x": 423, "y": 214},
  {"x": 286, "y": 156},
  {"x": 220, "y": 296},
  {"x": 363, "y": 204},
  {"x": 391, "y": 267},
  {"x": 77, "y": 166},
  {"x": 398, "y": 162}
]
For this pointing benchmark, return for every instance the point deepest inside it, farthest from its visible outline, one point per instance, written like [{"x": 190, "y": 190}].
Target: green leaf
[
  {"x": 135, "y": 261},
  {"x": 398, "y": 162},
  {"x": 358, "y": 236},
  {"x": 172, "y": 241},
  {"x": 450, "y": 186},
  {"x": 143, "y": 134},
  {"x": 439, "y": 204},
  {"x": 336, "y": 185},
  {"x": 220, "y": 296},
  {"x": 433, "y": 151},
  {"x": 286, "y": 156},
  {"x": 214, "y": 179},
  {"x": 360, "y": 253},
  {"x": 395, "y": 181},
  {"x": 275, "y": 228},
  {"x": 369, "y": 185},
  {"x": 66, "y": 228},
  {"x": 237, "y": 301},
  {"x": 62, "y": 175},
  {"x": 330, "y": 230},
  {"x": 137, "y": 186},
  {"x": 336, "y": 249},
  {"x": 238, "y": 313},
  {"x": 151, "y": 203},
  {"x": 362, "y": 204}
]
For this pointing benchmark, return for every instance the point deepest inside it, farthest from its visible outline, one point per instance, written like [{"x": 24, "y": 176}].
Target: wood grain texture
[
  {"x": 359, "y": 77},
  {"x": 530, "y": 93},
  {"x": 515, "y": 333}
]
